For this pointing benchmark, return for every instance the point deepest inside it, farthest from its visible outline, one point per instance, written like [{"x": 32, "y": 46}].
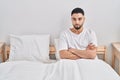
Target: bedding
[
  {"x": 64, "y": 69},
  {"x": 29, "y": 47}
]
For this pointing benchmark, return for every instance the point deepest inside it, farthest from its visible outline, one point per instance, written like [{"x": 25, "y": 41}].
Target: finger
[{"x": 92, "y": 46}]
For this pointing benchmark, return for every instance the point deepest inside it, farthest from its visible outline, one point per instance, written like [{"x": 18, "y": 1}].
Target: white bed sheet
[{"x": 82, "y": 69}]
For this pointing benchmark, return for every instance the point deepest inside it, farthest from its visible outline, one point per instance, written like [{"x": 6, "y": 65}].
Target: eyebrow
[
  {"x": 77, "y": 18},
  {"x": 80, "y": 18}
]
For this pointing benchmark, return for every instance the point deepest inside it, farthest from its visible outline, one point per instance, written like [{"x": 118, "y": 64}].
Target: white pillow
[{"x": 29, "y": 47}]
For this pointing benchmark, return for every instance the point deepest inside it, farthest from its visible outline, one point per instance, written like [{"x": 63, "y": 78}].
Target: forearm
[
  {"x": 64, "y": 54},
  {"x": 88, "y": 54}
]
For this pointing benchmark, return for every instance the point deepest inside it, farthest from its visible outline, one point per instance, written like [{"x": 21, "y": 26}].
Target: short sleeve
[
  {"x": 63, "y": 42},
  {"x": 93, "y": 38}
]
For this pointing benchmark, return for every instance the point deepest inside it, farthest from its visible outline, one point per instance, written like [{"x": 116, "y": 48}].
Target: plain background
[{"x": 53, "y": 16}]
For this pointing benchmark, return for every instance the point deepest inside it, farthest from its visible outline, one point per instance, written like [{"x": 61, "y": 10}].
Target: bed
[{"x": 25, "y": 67}]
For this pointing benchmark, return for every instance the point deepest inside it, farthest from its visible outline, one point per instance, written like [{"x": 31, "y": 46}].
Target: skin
[{"x": 90, "y": 52}]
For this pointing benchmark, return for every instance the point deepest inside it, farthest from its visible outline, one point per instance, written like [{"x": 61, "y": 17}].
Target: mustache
[{"x": 77, "y": 27}]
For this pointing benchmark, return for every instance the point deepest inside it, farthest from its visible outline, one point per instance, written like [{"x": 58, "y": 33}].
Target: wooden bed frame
[
  {"x": 116, "y": 55},
  {"x": 101, "y": 50}
]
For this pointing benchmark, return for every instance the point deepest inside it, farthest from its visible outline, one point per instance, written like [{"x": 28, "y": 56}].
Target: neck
[{"x": 77, "y": 31}]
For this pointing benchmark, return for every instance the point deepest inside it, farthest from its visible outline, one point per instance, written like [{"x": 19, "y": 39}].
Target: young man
[{"x": 77, "y": 42}]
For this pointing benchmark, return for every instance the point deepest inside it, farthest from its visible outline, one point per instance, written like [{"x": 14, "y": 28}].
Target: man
[{"x": 77, "y": 42}]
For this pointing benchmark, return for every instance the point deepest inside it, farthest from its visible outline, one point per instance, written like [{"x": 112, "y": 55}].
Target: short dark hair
[{"x": 77, "y": 10}]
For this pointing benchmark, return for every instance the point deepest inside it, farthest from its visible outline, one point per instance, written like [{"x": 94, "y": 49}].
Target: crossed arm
[{"x": 89, "y": 53}]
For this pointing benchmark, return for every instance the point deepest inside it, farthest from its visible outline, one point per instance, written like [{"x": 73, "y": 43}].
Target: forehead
[{"x": 77, "y": 15}]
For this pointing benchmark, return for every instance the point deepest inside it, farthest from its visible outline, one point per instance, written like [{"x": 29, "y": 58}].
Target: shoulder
[
  {"x": 89, "y": 31},
  {"x": 65, "y": 32}
]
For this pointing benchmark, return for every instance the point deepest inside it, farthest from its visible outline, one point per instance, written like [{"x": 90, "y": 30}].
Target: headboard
[{"x": 101, "y": 50}]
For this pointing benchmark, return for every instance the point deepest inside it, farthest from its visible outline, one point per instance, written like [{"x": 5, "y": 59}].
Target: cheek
[
  {"x": 73, "y": 22},
  {"x": 81, "y": 22}
]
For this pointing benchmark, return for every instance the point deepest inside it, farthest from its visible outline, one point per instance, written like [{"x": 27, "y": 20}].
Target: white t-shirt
[{"x": 68, "y": 39}]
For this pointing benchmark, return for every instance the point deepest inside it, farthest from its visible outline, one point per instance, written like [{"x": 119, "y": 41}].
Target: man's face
[{"x": 77, "y": 20}]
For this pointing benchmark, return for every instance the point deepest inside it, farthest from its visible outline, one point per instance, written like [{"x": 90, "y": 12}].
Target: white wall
[{"x": 53, "y": 16}]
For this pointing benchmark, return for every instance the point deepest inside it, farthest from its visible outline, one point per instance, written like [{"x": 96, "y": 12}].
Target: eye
[
  {"x": 74, "y": 19},
  {"x": 79, "y": 19}
]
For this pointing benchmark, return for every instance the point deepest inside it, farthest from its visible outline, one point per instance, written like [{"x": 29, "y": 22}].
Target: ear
[{"x": 84, "y": 18}]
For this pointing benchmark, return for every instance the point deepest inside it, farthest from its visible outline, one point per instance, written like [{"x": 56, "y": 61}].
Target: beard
[{"x": 77, "y": 27}]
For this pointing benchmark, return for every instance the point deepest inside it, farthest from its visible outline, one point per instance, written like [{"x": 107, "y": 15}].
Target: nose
[{"x": 77, "y": 21}]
